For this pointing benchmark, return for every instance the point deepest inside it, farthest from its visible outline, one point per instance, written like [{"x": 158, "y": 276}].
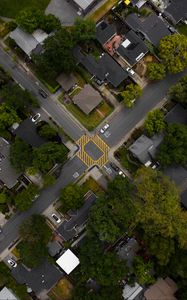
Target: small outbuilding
[
  {"x": 67, "y": 81},
  {"x": 68, "y": 261}
]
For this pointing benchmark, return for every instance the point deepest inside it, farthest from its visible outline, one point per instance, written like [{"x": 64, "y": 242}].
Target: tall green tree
[
  {"x": 8, "y": 116},
  {"x": 21, "y": 155},
  {"x": 4, "y": 77},
  {"x": 173, "y": 52},
  {"x": 178, "y": 92},
  {"x": 154, "y": 122},
  {"x": 155, "y": 71},
  {"x": 28, "y": 19},
  {"x": 24, "y": 199},
  {"x": 84, "y": 30},
  {"x": 72, "y": 197},
  {"x": 47, "y": 132},
  {"x": 130, "y": 94},
  {"x": 174, "y": 145},
  {"x": 143, "y": 270}
]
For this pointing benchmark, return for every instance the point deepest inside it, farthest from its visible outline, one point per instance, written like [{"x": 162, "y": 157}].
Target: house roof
[
  {"x": 84, "y": 4},
  {"x": 40, "y": 278},
  {"x": 24, "y": 40},
  {"x": 132, "y": 292},
  {"x": 128, "y": 251},
  {"x": 27, "y": 131},
  {"x": 6, "y": 294},
  {"x": 67, "y": 81},
  {"x": 68, "y": 261},
  {"x": 87, "y": 99},
  {"x": 8, "y": 175},
  {"x": 104, "y": 32},
  {"x": 177, "y": 115},
  {"x": 54, "y": 248},
  {"x": 177, "y": 9},
  {"x": 105, "y": 68},
  {"x": 162, "y": 290},
  {"x": 153, "y": 28},
  {"x": 134, "y": 50},
  {"x": 68, "y": 229}
]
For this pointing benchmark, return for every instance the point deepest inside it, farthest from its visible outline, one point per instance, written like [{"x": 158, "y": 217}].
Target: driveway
[{"x": 63, "y": 10}]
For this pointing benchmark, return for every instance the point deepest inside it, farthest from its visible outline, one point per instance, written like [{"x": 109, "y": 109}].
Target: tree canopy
[
  {"x": 20, "y": 155},
  {"x": 178, "y": 92},
  {"x": 130, "y": 94},
  {"x": 143, "y": 270},
  {"x": 72, "y": 197},
  {"x": 155, "y": 71},
  {"x": 4, "y": 77},
  {"x": 46, "y": 131},
  {"x": 8, "y": 116},
  {"x": 154, "y": 122},
  {"x": 173, "y": 52},
  {"x": 24, "y": 199},
  {"x": 84, "y": 30},
  {"x": 174, "y": 145}
]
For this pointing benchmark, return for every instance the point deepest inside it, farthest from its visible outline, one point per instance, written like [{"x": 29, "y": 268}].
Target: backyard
[
  {"x": 91, "y": 185},
  {"x": 62, "y": 290},
  {"x": 10, "y": 8},
  {"x": 101, "y": 11}
]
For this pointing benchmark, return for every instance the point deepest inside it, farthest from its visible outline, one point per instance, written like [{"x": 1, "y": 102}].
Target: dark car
[
  {"x": 114, "y": 167},
  {"x": 43, "y": 93}
]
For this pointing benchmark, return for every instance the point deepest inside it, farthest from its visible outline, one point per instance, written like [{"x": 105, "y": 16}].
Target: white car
[
  {"x": 130, "y": 71},
  {"x": 57, "y": 219},
  {"x": 12, "y": 262},
  {"x": 121, "y": 174},
  {"x": 36, "y": 117},
  {"x": 104, "y": 128}
]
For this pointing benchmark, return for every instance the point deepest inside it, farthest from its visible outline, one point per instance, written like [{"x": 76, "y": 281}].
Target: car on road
[
  {"x": 36, "y": 117},
  {"x": 43, "y": 93},
  {"x": 57, "y": 219},
  {"x": 114, "y": 167},
  {"x": 104, "y": 128},
  {"x": 12, "y": 262},
  {"x": 121, "y": 174}
]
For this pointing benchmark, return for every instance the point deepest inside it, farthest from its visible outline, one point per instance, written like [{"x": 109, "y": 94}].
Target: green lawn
[
  {"x": 91, "y": 184},
  {"x": 182, "y": 28},
  {"x": 102, "y": 10},
  {"x": 10, "y": 8},
  {"x": 94, "y": 118}
]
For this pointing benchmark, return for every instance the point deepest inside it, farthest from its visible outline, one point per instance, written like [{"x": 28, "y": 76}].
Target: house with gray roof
[
  {"x": 105, "y": 31},
  {"x": 178, "y": 115},
  {"x": 152, "y": 27},
  {"x": 67, "y": 81},
  {"x": 8, "y": 175},
  {"x": 176, "y": 11},
  {"x": 84, "y": 6},
  {"x": 87, "y": 99}
]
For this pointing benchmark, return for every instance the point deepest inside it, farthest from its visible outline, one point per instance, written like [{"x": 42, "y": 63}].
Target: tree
[
  {"x": 45, "y": 157},
  {"x": 103, "y": 293},
  {"x": 142, "y": 270},
  {"x": 4, "y": 77},
  {"x": 174, "y": 145},
  {"x": 173, "y": 52},
  {"x": 16, "y": 98},
  {"x": 155, "y": 71},
  {"x": 178, "y": 92},
  {"x": 8, "y": 116},
  {"x": 49, "y": 23},
  {"x": 158, "y": 207},
  {"x": 28, "y": 19},
  {"x": 72, "y": 197},
  {"x": 21, "y": 155},
  {"x": 48, "y": 180},
  {"x": 24, "y": 199},
  {"x": 84, "y": 30},
  {"x": 154, "y": 122},
  {"x": 47, "y": 132},
  {"x": 130, "y": 94},
  {"x": 3, "y": 197}
]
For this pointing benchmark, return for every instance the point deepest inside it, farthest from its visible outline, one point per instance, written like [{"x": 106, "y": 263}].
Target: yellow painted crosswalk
[{"x": 100, "y": 144}]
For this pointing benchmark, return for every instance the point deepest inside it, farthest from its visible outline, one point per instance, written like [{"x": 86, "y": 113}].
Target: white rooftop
[
  {"x": 68, "y": 261},
  {"x": 6, "y": 294},
  {"x": 126, "y": 43},
  {"x": 39, "y": 35},
  {"x": 130, "y": 292},
  {"x": 24, "y": 40}
]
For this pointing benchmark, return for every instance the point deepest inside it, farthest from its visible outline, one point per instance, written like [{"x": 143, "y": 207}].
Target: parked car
[
  {"x": 104, "y": 128},
  {"x": 121, "y": 174},
  {"x": 36, "y": 117},
  {"x": 57, "y": 219},
  {"x": 12, "y": 262},
  {"x": 114, "y": 167},
  {"x": 130, "y": 71},
  {"x": 43, "y": 93}
]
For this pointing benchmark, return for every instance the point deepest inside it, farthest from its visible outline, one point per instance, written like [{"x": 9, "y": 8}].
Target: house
[
  {"x": 163, "y": 289},
  {"x": 84, "y": 6},
  {"x": 7, "y": 294},
  {"x": 178, "y": 115},
  {"x": 68, "y": 261},
  {"x": 133, "y": 292},
  {"x": 54, "y": 248},
  {"x": 105, "y": 32},
  {"x": 152, "y": 27},
  {"x": 27, "y": 132},
  {"x": 71, "y": 228},
  {"x": 8, "y": 175},
  {"x": 138, "y": 3},
  {"x": 176, "y": 11},
  {"x": 67, "y": 81},
  {"x": 29, "y": 43},
  {"x": 127, "y": 251},
  {"x": 132, "y": 49},
  {"x": 144, "y": 149},
  {"x": 39, "y": 279},
  {"x": 105, "y": 69},
  {"x": 87, "y": 99}
]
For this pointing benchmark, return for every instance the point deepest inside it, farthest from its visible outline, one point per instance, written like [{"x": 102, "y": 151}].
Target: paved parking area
[{"x": 63, "y": 10}]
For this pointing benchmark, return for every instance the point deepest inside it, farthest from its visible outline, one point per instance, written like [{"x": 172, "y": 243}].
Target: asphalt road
[
  {"x": 126, "y": 119},
  {"x": 10, "y": 231},
  {"x": 52, "y": 108}
]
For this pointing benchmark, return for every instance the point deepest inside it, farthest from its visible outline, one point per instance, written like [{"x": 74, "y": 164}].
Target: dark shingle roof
[
  {"x": 134, "y": 50},
  {"x": 153, "y": 28},
  {"x": 105, "y": 68},
  {"x": 177, "y": 115},
  {"x": 177, "y": 9},
  {"x": 104, "y": 32}
]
